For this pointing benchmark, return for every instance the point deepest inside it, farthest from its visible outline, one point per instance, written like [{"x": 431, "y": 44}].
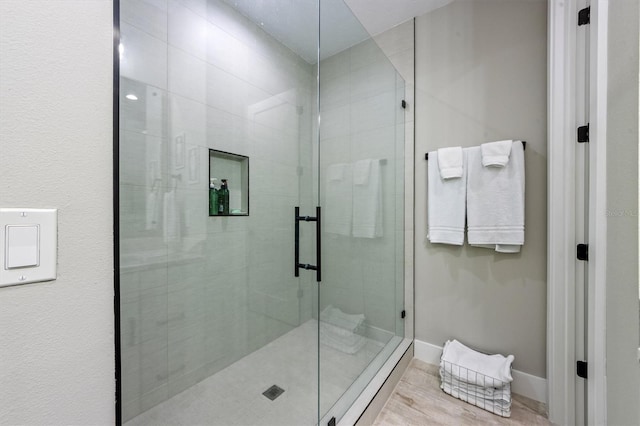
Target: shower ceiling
[
  {"x": 292, "y": 22},
  {"x": 289, "y": 21},
  {"x": 379, "y": 15}
]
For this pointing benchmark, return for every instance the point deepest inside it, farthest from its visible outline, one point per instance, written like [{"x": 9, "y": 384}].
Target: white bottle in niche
[{"x": 213, "y": 197}]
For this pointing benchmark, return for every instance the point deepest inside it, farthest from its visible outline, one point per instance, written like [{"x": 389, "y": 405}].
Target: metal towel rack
[{"x": 524, "y": 147}]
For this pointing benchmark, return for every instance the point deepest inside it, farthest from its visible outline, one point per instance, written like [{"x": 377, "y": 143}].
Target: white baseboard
[
  {"x": 524, "y": 384},
  {"x": 427, "y": 352}
]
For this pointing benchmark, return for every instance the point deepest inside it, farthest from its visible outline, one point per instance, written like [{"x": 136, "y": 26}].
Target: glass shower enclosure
[{"x": 280, "y": 304}]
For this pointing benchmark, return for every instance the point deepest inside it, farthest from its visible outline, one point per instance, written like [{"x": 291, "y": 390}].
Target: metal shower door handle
[{"x": 296, "y": 260}]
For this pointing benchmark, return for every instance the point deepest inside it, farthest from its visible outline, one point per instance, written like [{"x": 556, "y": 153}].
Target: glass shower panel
[
  {"x": 361, "y": 164},
  {"x": 212, "y": 315}
]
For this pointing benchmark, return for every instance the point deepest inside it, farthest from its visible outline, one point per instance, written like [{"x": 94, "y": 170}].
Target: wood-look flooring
[{"x": 418, "y": 400}]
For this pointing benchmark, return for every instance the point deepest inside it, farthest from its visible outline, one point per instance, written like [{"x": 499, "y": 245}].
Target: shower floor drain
[{"x": 273, "y": 392}]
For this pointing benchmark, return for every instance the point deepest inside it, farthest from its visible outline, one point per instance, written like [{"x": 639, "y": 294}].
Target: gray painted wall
[
  {"x": 623, "y": 371},
  {"x": 481, "y": 75},
  {"x": 56, "y": 338}
]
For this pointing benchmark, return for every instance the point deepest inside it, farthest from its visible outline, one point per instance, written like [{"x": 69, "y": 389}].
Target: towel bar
[{"x": 524, "y": 147}]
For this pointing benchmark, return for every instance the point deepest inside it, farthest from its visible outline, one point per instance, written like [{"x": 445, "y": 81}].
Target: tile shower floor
[{"x": 234, "y": 396}]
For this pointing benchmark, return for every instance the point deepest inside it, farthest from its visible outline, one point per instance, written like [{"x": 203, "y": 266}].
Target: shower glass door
[
  {"x": 216, "y": 329},
  {"x": 361, "y": 191}
]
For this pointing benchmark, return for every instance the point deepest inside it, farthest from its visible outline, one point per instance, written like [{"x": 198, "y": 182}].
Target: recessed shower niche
[{"x": 228, "y": 184}]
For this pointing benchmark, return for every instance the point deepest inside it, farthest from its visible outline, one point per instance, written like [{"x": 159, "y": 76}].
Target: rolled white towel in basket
[
  {"x": 479, "y": 379},
  {"x": 474, "y": 367},
  {"x": 500, "y": 407},
  {"x": 500, "y": 393}
]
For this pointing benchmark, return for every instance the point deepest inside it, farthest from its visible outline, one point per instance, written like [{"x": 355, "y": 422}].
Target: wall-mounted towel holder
[{"x": 524, "y": 147}]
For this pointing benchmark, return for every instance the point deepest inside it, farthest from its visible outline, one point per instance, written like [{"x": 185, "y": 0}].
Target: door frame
[
  {"x": 561, "y": 242},
  {"x": 596, "y": 327}
]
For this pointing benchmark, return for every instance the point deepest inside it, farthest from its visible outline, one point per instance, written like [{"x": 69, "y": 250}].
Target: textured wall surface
[
  {"x": 57, "y": 347},
  {"x": 480, "y": 77},
  {"x": 623, "y": 371}
]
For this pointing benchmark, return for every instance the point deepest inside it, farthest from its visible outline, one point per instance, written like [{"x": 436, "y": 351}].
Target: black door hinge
[
  {"x": 403, "y": 314},
  {"x": 404, "y": 104},
  {"x": 581, "y": 369},
  {"x": 332, "y": 422},
  {"x": 584, "y": 16},
  {"x": 582, "y": 252},
  {"x": 583, "y": 133}
]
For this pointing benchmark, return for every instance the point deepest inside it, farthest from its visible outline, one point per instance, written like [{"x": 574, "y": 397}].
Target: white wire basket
[{"x": 476, "y": 388}]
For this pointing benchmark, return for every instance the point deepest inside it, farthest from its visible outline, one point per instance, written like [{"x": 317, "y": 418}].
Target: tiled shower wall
[{"x": 199, "y": 292}]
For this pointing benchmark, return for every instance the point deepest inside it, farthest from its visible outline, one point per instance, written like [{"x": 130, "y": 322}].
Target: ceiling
[
  {"x": 378, "y": 16},
  {"x": 295, "y": 22}
]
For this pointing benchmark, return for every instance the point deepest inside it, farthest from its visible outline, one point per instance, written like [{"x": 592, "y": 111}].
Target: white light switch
[
  {"x": 28, "y": 245},
  {"x": 23, "y": 246}
]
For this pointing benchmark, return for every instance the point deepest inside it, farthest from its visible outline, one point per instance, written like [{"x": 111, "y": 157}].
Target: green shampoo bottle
[{"x": 223, "y": 198}]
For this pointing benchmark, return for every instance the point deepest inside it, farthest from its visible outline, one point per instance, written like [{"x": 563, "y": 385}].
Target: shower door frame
[{"x": 116, "y": 212}]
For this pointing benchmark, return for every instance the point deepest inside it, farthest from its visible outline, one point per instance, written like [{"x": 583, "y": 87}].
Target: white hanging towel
[
  {"x": 367, "y": 199},
  {"x": 450, "y": 162},
  {"x": 446, "y": 204},
  {"x": 496, "y": 154},
  {"x": 495, "y": 201},
  {"x": 337, "y": 212}
]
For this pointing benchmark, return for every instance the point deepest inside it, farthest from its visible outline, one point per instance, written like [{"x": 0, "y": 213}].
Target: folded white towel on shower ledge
[
  {"x": 336, "y": 317},
  {"x": 341, "y": 339},
  {"x": 338, "y": 330},
  {"x": 450, "y": 162},
  {"x": 496, "y": 154}
]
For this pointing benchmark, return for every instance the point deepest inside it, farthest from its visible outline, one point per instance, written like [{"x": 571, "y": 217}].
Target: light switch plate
[
  {"x": 22, "y": 249},
  {"x": 12, "y": 255}
]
